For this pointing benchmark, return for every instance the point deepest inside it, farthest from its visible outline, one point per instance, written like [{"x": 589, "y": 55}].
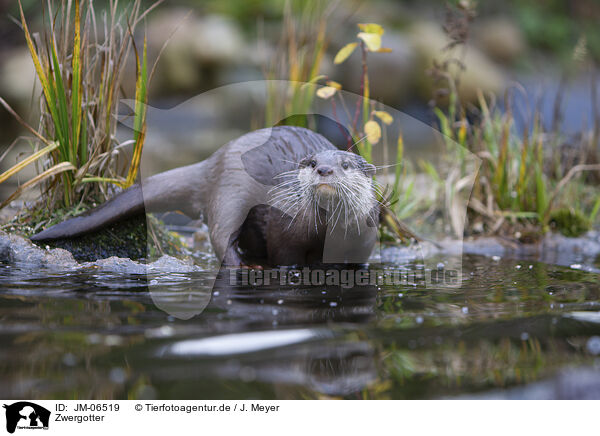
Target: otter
[{"x": 276, "y": 196}]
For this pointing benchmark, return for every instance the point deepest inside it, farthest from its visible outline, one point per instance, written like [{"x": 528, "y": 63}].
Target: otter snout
[{"x": 324, "y": 170}]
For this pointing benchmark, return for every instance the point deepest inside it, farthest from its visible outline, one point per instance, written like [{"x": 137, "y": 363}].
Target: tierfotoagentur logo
[
  {"x": 24, "y": 415},
  {"x": 344, "y": 278}
]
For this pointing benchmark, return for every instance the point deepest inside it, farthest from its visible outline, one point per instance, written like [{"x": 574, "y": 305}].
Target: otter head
[
  {"x": 334, "y": 173},
  {"x": 338, "y": 181}
]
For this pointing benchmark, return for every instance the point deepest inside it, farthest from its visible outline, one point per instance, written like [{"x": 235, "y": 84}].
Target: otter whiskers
[{"x": 299, "y": 198}]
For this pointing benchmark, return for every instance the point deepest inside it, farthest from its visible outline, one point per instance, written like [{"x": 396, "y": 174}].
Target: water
[{"x": 99, "y": 335}]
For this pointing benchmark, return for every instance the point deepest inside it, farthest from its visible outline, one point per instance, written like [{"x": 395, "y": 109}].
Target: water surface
[{"x": 92, "y": 334}]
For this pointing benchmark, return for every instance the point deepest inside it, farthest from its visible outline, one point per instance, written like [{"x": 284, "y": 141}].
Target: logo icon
[{"x": 26, "y": 415}]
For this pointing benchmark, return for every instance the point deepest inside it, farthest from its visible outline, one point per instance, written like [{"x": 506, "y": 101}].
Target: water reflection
[{"x": 87, "y": 334}]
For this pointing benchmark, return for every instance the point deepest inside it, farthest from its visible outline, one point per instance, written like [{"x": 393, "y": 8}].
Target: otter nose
[{"x": 324, "y": 170}]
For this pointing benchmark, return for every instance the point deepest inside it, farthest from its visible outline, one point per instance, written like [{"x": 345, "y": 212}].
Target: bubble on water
[
  {"x": 216, "y": 293},
  {"x": 275, "y": 312},
  {"x": 117, "y": 375},
  {"x": 69, "y": 359},
  {"x": 496, "y": 258},
  {"x": 419, "y": 319},
  {"x": 164, "y": 331},
  {"x": 247, "y": 374},
  {"x": 323, "y": 292},
  {"x": 146, "y": 392},
  {"x": 465, "y": 310},
  {"x": 230, "y": 302},
  {"x": 593, "y": 345},
  {"x": 530, "y": 266},
  {"x": 333, "y": 304},
  {"x": 400, "y": 294},
  {"x": 113, "y": 340},
  {"x": 576, "y": 266},
  {"x": 524, "y": 336},
  {"x": 440, "y": 265},
  {"x": 94, "y": 339},
  {"x": 518, "y": 266},
  {"x": 279, "y": 301}
]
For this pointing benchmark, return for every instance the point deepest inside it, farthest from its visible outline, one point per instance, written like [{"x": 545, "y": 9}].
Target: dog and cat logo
[{"x": 26, "y": 415}]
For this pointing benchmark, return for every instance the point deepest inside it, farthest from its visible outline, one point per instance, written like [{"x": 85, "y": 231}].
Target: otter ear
[
  {"x": 305, "y": 161},
  {"x": 369, "y": 169}
]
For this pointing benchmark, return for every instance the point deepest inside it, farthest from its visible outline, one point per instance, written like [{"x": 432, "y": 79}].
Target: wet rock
[
  {"x": 500, "y": 39},
  {"x": 165, "y": 264},
  {"x": 481, "y": 73},
  {"x": 554, "y": 248},
  {"x": 125, "y": 239},
  {"x": 19, "y": 250},
  {"x": 118, "y": 265},
  {"x": 171, "y": 264}
]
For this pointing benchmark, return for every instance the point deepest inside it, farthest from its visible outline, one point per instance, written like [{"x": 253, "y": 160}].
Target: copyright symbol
[{"x": 138, "y": 407}]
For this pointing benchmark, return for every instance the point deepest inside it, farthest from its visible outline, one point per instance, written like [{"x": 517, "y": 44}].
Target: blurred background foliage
[{"x": 441, "y": 58}]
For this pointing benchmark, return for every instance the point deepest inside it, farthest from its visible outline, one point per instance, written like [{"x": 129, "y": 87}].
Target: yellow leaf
[
  {"x": 334, "y": 84},
  {"x": 344, "y": 52},
  {"x": 384, "y": 116},
  {"x": 372, "y": 40},
  {"x": 371, "y": 28},
  {"x": 373, "y": 131},
  {"x": 326, "y": 92},
  {"x": 384, "y": 50}
]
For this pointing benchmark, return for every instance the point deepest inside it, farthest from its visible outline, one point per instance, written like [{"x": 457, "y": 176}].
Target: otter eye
[
  {"x": 313, "y": 163},
  {"x": 345, "y": 165}
]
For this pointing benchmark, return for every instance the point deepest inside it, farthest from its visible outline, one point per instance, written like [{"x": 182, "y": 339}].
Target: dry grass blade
[
  {"x": 22, "y": 122},
  {"x": 55, "y": 170},
  {"x": 24, "y": 163}
]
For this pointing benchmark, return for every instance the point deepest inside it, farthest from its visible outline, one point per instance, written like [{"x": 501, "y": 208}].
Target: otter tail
[{"x": 171, "y": 190}]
